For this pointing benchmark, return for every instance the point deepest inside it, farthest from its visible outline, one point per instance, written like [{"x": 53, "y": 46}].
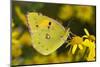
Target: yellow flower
[
  {"x": 16, "y": 49},
  {"x": 25, "y": 39},
  {"x": 16, "y": 32},
  {"x": 90, "y": 37},
  {"x": 65, "y": 12},
  {"x": 91, "y": 46},
  {"x": 75, "y": 43},
  {"x": 90, "y": 43},
  {"x": 20, "y": 15},
  {"x": 84, "y": 13}
]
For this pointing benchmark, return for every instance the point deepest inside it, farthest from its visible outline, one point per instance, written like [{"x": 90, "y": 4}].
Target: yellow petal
[
  {"x": 86, "y": 43},
  {"x": 86, "y": 31},
  {"x": 85, "y": 36},
  {"x": 16, "y": 33},
  {"x": 91, "y": 55},
  {"x": 80, "y": 46},
  {"x": 74, "y": 48},
  {"x": 20, "y": 15}
]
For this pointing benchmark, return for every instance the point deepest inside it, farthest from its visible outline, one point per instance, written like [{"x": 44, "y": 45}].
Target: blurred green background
[{"x": 76, "y": 17}]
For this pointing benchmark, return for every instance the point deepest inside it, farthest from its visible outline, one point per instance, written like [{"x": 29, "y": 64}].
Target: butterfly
[{"x": 47, "y": 34}]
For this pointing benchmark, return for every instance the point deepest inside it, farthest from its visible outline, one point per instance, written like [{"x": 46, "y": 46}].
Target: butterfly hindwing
[{"x": 47, "y": 34}]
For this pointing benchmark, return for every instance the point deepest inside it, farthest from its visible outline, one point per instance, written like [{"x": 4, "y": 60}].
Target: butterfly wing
[{"x": 47, "y": 34}]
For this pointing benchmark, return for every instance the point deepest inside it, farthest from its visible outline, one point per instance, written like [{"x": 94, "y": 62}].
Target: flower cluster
[
  {"x": 82, "y": 13},
  {"x": 84, "y": 41}
]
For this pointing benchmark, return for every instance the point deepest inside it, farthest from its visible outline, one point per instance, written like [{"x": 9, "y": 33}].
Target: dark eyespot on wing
[
  {"x": 49, "y": 23},
  {"x": 37, "y": 25},
  {"x": 47, "y": 36}
]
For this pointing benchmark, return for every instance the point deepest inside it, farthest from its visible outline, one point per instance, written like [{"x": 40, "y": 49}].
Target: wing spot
[
  {"x": 37, "y": 25},
  {"x": 47, "y": 36},
  {"x": 49, "y": 23}
]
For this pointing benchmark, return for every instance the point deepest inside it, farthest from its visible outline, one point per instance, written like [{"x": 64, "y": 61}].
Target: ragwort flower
[
  {"x": 90, "y": 43},
  {"x": 90, "y": 37},
  {"x": 65, "y": 12},
  {"x": 76, "y": 42},
  {"x": 84, "y": 13}
]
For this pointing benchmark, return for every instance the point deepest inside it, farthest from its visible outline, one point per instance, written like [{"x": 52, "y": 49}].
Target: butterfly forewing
[{"x": 48, "y": 35}]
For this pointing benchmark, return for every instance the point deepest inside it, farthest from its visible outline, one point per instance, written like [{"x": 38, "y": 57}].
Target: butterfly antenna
[{"x": 69, "y": 23}]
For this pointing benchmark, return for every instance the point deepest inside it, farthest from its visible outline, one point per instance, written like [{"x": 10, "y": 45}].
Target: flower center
[{"x": 76, "y": 40}]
